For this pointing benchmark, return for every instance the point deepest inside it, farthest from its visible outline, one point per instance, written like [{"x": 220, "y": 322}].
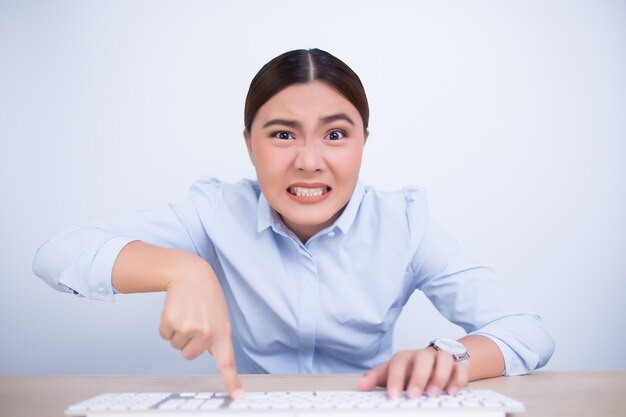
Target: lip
[{"x": 309, "y": 199}]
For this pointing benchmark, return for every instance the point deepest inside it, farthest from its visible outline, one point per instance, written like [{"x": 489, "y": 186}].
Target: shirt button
[
  {"x": 103, "y": 291},
  {"x": 278, "y": 226},
  {"x": 331, "y": 233}
]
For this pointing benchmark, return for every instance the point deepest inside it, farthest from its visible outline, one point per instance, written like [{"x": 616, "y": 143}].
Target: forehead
[{"x": 307, "y": 101}]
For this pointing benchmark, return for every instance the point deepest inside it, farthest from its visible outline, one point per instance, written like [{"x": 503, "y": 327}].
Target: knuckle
[
  {"x": 401, "y": 356},
  {"x": 168, "y": 318},
  {"x": 226, "y": 328},
  {"x": 443, "y": 356},
  {"x": 225, "y": 364},
  {"x": 204, "y": 332},
  {"x": 425, "y": 355}
]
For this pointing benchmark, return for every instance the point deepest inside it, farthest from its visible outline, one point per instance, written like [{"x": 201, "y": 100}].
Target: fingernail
[
  {"x": 433, "y": 391},
  {"x": 393, "y": 393},
  {"x": 239, "y": 394},
  {"x": 452, "y": 391},
  {"x": 414, "y": 392}
]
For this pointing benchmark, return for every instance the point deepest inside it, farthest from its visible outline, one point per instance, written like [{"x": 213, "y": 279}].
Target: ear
[{"x": 248, "y": 139}]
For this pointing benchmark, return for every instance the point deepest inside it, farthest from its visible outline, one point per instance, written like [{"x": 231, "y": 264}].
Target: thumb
[
  {"x": 374, "y": 377},
  {"x": 222, "y": 351}
]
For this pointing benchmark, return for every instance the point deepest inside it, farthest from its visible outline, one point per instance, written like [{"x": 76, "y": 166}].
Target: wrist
[{"x": 185, "y": 267}]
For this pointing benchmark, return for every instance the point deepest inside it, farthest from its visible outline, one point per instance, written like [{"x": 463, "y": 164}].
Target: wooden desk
[{"x": 544, "y": 393}]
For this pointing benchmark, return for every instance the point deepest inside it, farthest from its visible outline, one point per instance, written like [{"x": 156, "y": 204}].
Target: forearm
[
  {"x": 142, "y": 267},
  {"x": 486, "y": 360}
]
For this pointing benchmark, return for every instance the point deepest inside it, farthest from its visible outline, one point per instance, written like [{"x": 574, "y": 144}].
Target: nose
[{"x": 309, "y": 157}]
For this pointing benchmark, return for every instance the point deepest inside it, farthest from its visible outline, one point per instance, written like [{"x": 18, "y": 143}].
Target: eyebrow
[
  {"x": 283, "y": 122},
  {"x": 297, "y": 124},
  {"x": 335, "y": 117}
]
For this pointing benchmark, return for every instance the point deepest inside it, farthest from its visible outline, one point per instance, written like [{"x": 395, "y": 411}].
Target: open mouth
[{"x": 308, "y": 192}]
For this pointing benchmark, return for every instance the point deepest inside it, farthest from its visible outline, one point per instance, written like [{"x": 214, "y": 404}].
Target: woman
[{"x": 306, "y": 269}]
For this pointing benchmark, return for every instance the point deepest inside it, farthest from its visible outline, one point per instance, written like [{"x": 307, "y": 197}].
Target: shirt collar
[
  {"x": 264, "y": 214},
  {"x": 349, "y": 213},
  {"x": 267, "y": 217}
]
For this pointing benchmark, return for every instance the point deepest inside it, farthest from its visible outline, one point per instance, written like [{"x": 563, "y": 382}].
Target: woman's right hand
[{"x": 195, "y": 319}]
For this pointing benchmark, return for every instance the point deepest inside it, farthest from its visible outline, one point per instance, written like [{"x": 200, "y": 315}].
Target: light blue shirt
[{"x": 329, "y": 305}]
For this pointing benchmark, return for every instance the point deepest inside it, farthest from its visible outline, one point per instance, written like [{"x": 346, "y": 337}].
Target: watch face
[{"x": 451, "y": 346}]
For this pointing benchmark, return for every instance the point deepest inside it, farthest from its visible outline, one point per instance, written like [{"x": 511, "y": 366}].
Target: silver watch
[{"x": 456, "y": 349}]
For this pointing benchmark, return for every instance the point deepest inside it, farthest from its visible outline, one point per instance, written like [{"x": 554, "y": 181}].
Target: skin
[
  {"x": 307, "y": 135},
  {"x": 195, "y": 317}
]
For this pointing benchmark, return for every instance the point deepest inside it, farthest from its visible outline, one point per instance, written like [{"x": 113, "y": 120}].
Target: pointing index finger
[{"x": 222, "y": 351}]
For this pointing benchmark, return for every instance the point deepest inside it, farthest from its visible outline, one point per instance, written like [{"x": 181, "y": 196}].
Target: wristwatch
[{"x": 456, "y": 349}]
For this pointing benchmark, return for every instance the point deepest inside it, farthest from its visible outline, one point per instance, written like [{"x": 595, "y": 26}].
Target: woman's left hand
[{"x": 418, "y": 371}]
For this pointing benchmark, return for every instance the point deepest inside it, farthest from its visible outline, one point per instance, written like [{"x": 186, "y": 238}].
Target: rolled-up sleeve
[
  {"x": 474, "y": 297},
  {"x": 80, "y": 260}
]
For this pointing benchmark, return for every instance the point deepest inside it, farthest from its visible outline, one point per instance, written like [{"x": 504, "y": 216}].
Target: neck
[{"x": 305, "y": 231}]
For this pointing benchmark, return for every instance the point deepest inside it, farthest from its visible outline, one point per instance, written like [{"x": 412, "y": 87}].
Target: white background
[{"x": 510, "y": 113}]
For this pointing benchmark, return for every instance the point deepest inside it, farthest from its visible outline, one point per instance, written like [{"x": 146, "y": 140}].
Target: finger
[
  {"x": 179, "y": 340},
  {"x": 459, "y": 378},
  {"x": 194, "y": 348},
  {"x": 396, "y": 375},
  {"x": 222, "y": 351},
  {"x": 165, "y": 330},
  {"x": 374, "y": 377},
  {"x": 442, "y": 372},
  {"x": 422, "y": 370}
]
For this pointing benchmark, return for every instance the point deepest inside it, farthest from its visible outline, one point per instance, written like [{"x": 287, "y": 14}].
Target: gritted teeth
[{"x": 308, "y": 192}]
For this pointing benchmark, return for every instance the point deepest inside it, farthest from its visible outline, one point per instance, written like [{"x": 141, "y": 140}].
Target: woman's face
[{"x": 306, "y": 144}]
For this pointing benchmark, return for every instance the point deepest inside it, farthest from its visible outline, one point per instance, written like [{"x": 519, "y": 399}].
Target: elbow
[
  {"x": 545, "y": 349},
  {"x": 534, "y": 350},
  {"x": 524, "y": 341},
  {"x": 39, "y": 265},
  {"x": 45, "y": 268}
]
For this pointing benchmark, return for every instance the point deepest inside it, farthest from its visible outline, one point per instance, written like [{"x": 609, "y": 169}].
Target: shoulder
[
  {"x": 413, "y": 198},
  {"x": 208, "y": 186},
  {"x": 406, "y": 209},
  {"x": 212, "y": 191}
]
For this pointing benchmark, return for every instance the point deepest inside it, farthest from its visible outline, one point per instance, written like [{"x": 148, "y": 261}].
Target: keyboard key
[
  {"x": 204, "y": 395},
  {"x": 470, "y": 404},
  {"x": 171, "y": 404},
  {"x": 191, "y": 405},
  {"x": 212, "y": 404}
]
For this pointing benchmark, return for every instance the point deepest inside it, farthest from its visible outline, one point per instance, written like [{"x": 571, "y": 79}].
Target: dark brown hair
[{"x": 302, "y": 66}]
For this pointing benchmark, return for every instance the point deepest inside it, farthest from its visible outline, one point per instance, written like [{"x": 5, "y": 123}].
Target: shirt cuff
[
  {"x": 512, "y": 364},
  {"x": 101, "y": 270}
]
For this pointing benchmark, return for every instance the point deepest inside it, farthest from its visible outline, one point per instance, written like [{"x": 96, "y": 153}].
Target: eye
[
  {"x": 336, "y": 135},
  {"x": 282, "y": 135}
]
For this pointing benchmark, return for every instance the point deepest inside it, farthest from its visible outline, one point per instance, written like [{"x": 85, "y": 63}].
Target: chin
[
  {"x": 310, "y": 221},
  {"x": 312, "y": 218}
]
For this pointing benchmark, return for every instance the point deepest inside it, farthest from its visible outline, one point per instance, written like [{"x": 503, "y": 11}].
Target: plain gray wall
[{"x": 510, "y": 113}]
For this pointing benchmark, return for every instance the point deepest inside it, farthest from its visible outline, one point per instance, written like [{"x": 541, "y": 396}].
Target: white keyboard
[{"x": 466, "y": 403}]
